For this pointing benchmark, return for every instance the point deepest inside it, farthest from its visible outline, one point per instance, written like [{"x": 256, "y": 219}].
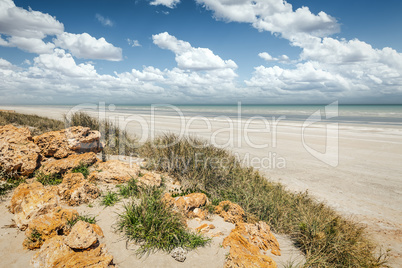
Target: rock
[
  {"x": 243, "y": 253},
  {"x": 50, "y": 252},
  {"x": 150, "y": 178},
  {"x": 60, "y": 144},
  {"x": 230, "y": 212},
  {"x": 179, "y": 254},
  {"x": 204, "y": 228},
  {"x": 97, "y": 230},
  {"x": 55, "y": 253},
  {"x": 113, "y": 171},
  {"x": 63, "y": 165},
  {"x": 188, "y": 205},
  {"x": 30, "y": 201},
  {"x": 76, "y": 190},
  {"x": 260, "y": 235},
  {"x": 82, "y": 236},
  {"x": 18, "y": 153},
  {"x": 46, "y": 226}
]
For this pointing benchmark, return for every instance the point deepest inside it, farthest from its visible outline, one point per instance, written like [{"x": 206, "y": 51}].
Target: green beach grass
[{"x": 327, "y": 238}]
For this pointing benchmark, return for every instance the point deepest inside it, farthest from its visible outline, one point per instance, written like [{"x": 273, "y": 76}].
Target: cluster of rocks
[{"x": 63, "y": 240}]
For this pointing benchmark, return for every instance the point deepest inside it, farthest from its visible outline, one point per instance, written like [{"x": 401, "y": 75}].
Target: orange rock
[
  {"x": 113, "y": 171},
  {"x": 150, "y": 179},
  {"x": 97, "y": 230},
  {"x": 18, "y": 153},
  {"x": 230, "y": 212},
  {"x": 243, "y": 253},
  {"x": 189, "y": 205},
  {"x": 82, "y": 236},
  {"x": 75, "y": 189},
  {"x": 60, "y": 144},
  {"x": 65, "y": 164},
  {"x": 203, "y": 227},
  {"x": 47, "y": 226},
  {"x": 30, "y": 201},
  {"x": 55, "y": 253}
]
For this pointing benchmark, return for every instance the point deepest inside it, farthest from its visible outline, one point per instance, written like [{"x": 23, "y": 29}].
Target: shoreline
[{"x": 365, "y": 184}]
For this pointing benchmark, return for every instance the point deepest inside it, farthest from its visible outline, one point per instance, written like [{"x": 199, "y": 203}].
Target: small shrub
[
  {"x": 82, "y": 168},
  {"x": 48, "y": 179},
  {"x": 110, "y": 199},
  {"x": 155, "y": 225},
  {"x": 129, "y": 189}
]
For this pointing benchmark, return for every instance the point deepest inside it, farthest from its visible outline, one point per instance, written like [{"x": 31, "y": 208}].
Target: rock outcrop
[
  {"x": 230, "y": 212},
  {"x": 113, "y": 171},
  {"x": 18, "y": 153},
  {"x": 56, "y": 253},
  {"x": 60, "y": 144},
  {"x": 189, "y": 204},
  {"x": 61, "y": 166},
  {"x": 76, "y": 190},
  {"x": 46, "y": 226},
  {"x": 82, "y": 236},
  {"x": 30, "y": 201}
]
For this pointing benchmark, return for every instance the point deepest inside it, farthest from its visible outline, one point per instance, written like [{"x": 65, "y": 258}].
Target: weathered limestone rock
[
  {"x": 179, "y": 254},
  {"x": 189, "y": 205},
  {"x": 97, "y": 230},
  {"x": 260, "y": 235},
  {"x": 244, "y": 254},
  {"x": 66, "y": 164},
  {"x": 17, "y": 151},
  {"x": 230, "y": 212},
  {"x": 50, "y": 252},
  {"x": 75, "y": 189},
  {"x": 46, "y": 226},
  {"x": 204, "y": 228},
  {"x": 113, "y": 171},
  {"x": 55, "y": 253},
  {"x": 149, "y": 178},
  {"x": 30, "y": 201},
  {"x": 82, "y": 236},
  {"x": 60, "y": 144},
  {"x": 97, "y": 257}
]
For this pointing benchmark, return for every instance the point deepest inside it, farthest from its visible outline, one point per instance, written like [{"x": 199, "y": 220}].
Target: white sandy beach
[{"x": 366, "y": 183}]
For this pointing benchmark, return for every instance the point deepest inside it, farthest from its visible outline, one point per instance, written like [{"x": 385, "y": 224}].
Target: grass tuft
[
  {"x": 109, "y": 199},
  {"x": 9, "y": 181},
  {"x": 82, "y": 168},
  {"x": 326, "y": 238},
  {"x": 86, "y": 218},
  {"x": 48, "y": 179},
  {"x": 129, "y": 189},
  {"x": 156, "y": 226}
]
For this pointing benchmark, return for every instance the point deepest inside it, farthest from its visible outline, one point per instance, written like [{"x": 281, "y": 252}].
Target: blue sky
[{"x": 200, "y": 51}]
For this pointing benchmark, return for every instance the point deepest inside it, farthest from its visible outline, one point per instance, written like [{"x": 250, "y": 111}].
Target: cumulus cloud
[
  {"x": 104, "y": 21},
  {"x": 133, "y": 43},
  {"x": 266, "y": 56},
  {"x": 188, "y": 57},
  {"x": 168, "y": 3},
  {"x": 87, "y": 47},
  {"x": 276, "y": 16}
]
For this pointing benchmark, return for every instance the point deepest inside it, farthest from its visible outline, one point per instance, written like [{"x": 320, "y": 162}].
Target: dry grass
[{"x": 326, "y": 238}]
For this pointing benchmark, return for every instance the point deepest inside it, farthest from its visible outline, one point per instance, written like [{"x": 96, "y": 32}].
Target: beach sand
[{"x": 365, "y": 183}]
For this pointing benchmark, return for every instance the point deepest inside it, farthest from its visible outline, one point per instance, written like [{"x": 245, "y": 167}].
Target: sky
[{"x": 200, "y": 51}]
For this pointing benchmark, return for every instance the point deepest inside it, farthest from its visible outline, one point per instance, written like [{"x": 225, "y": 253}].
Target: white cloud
[
  {"x": 168, "y": 3},
  {"x": 87, "y": 47},
  {"x": 266, "y": 56},
  {"x": 276, "y": 16},
  {"x": 133, "y": 43},
  {"x": 17, "y": 21},
  {"x": 33, "y": 45},
  {"x": 104, "y": 21},
  {"x": 188, "y": 57}
]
